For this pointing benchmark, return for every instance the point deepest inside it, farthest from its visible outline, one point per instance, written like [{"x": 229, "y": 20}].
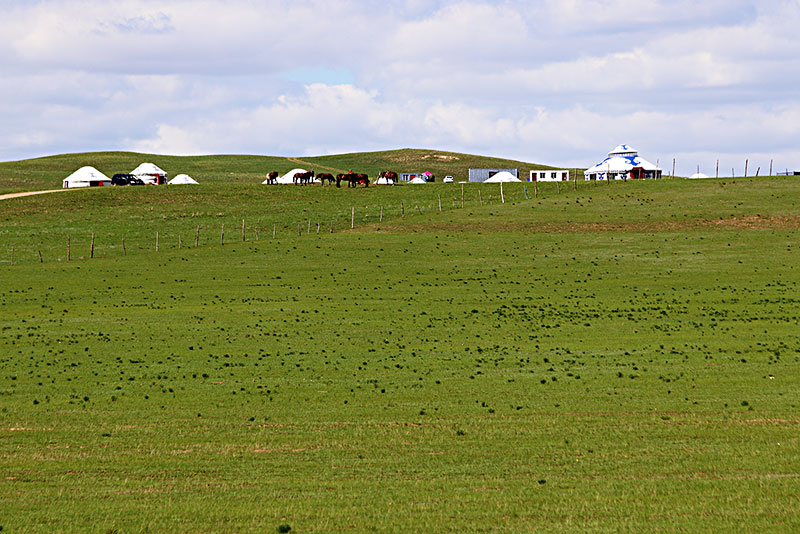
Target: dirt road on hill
[
  {"x": 309, "y": 164},
  {"x": 29, "y": 193}
]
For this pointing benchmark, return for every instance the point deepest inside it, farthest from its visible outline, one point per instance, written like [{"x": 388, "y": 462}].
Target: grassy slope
[
  {"x": 48, "y": 172},
  {"x": 624, "y": 357}
]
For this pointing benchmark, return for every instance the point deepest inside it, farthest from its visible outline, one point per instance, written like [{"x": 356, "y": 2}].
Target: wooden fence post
[
  {"x": 317, "y": 226},
  {"x": 179, "y": 241},
  {"x": 274, "y": 229},
  {"x": 243, "y": 238},
  {"x": 717, "y": 174},
  {"x": 502, "y": 196},
  {"x": 745, "y": 167},
  {"x": 92, "y": 252},
  {"x": 197, "y": 237},
  {"x": 352, "y": 217},
  {"x": 124, "y": 250},
  {"x": 256, "y": 232},
  {"x": 69, "y": 252},
  {"x": 480, "y": 199},
  {"x": 462, "y": 195},
  {"x": 41, "y": 259},
  {"x": 222, "y": 235},
  {"x": 381, "y": 218},
  {"x": 299, "y": 229},
  {"x": 156, "y": 240},
  {"x": 440, "y": 201},
  {"x": 770, "y": 167},
  {"x": 331, "y": 227},
  {"x": 402, "y": 209},
  {"x": 12, "y": 256}
]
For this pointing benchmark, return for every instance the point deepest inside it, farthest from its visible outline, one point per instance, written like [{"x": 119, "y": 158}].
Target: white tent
[
  {"x": 182, "y": 179},
  {"x": 623, "y": 162},
  {"x": 698, "y": 175},
  {"x": 418, "y": 180},
  {"x": 86, "y": 177},
  {"x": 502, "y": 176},
  {"x": 150, "y": 173},
  {"x": 383, "y": 181}
]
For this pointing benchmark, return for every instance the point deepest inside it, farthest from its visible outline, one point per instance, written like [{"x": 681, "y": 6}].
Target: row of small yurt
[{"x": 149, "y": 173}]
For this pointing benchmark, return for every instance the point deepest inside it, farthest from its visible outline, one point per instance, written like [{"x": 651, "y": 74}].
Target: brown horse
[
  {"x": 304, "y": 178},
  {"x": 272, "y": 177},
  {"x": 326, "y": 176}
]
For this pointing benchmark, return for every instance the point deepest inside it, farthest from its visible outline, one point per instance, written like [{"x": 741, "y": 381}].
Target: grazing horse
[
  {"x": 326, "y": 176},
  {"x": 272, "y": 178},
  {"x": 361, "y": 179},
  {"x": 304, "y": 178}
]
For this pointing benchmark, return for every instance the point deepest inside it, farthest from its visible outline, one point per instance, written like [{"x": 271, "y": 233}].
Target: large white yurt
[
  {"x": 86, "y": 177},
  {"x": 183, "y": 179},
  {"x": 623, "y": 163},
  {"x": 150, "y": 174}
]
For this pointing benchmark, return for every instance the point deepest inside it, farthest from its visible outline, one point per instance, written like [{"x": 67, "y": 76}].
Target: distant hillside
[{"x": 47, "y": 172}]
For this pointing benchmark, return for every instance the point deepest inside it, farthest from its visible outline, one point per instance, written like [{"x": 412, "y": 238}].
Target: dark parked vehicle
[{"x": 125, "y": 179}]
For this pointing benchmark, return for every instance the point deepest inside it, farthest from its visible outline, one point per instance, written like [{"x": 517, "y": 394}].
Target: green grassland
[
  {"x": 620, "y": 357},
  {"x": 48, "y": 172}
]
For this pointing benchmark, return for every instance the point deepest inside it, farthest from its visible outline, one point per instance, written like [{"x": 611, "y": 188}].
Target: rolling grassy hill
[
  {"x": 623, "y": 357},
  {"x": 48, "y": 172}
]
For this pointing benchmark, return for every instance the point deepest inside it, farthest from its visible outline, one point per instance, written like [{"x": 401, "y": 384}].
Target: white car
[{"x": 447, "y": 180}]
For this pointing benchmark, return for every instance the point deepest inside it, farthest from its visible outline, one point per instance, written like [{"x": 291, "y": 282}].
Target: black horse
[{"x": 326, "y": 176}]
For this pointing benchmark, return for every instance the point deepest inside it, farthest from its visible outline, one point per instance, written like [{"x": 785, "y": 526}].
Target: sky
[{"x": 558, "y": 82}]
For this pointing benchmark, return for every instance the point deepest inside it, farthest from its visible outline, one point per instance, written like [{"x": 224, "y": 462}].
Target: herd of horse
[{"x": 353, "y": 179}]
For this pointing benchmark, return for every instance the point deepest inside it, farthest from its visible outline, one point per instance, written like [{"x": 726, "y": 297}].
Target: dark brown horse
[
  {"x": 352, "y": 179},
  {"x": 272, "y": 178},
  {"x": 304, "y": 178},
  {"x": 326, "y": 176}
]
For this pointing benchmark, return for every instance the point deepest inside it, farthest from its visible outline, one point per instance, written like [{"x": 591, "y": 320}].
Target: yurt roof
[
  {"x": 87, "y": 174},
  {"x": 623, "y": 150},
  {"x": 418, "y": 180},
  {"x": 148, "y": 168},
  {"x": 699, "y": 175},
  {"x": 502, "y": 176},
  {"x": 182, "y": 179}
]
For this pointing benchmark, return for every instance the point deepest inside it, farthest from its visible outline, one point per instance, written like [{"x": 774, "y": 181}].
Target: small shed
[{"x": 481, "y": 175}]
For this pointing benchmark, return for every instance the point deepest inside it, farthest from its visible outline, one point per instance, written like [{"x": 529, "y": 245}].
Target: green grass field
[{"x": 623, "y": 357}]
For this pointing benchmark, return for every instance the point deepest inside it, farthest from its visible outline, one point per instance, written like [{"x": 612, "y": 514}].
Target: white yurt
[
  {"x": 418, "y": 180},
  {"x": 698, "y": 175},
  {"x": 502, "y": 176},
  {"x": 150, "y": 174},
  {"x": 86, "y": 177},
  {"x": 622, "y": 163},
  {"x": 183, "y": 179},
  {"x": 383, "y": 181}
]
